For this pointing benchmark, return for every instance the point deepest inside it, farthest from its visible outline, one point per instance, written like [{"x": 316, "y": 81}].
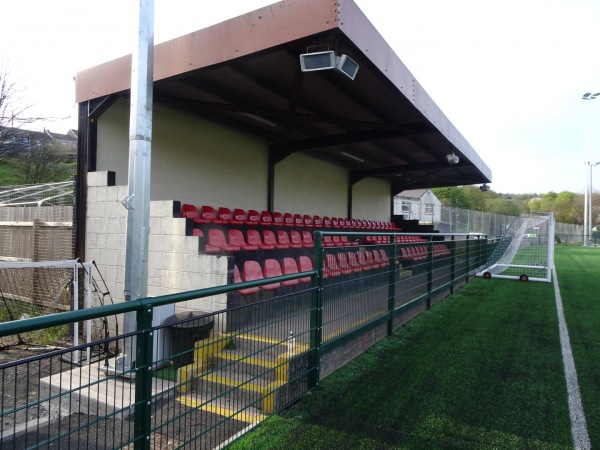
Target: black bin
[{"x": 186, "y": 328}]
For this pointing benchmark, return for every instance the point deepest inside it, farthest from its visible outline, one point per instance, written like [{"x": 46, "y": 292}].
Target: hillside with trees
[{"x": 566, "y": 206}]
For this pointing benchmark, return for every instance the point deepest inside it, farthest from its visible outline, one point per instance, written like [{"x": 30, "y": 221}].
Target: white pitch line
[{"x": 581, "y": 440}]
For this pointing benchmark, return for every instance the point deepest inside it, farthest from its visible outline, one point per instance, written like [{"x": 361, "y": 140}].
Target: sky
[{"x": 508, "y": 74}]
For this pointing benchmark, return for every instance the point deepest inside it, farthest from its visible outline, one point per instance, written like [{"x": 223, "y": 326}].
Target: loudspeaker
[
  {"x": 309, "y": 62},
  {"x": 347, "y": 66}
]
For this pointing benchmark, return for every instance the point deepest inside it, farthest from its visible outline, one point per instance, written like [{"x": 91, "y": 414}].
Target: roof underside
[{"x": 246, "y": 73}]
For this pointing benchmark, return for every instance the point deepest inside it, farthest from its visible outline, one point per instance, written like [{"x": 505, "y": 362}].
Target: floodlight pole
[
  {"x": 137, "y": 201},
  {"x": 590, "y": 216},
  {"x": 587, "y": 195}
]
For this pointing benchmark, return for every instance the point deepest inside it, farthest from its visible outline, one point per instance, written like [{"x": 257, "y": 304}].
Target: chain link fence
[{"x": 458, "y": 220}]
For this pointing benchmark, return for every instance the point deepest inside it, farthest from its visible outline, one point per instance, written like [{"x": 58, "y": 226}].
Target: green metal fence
[{"x": 202, "y": 379}]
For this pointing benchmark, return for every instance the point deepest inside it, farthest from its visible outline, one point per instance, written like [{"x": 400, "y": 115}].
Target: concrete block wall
[{"x": 174, "y": 264}]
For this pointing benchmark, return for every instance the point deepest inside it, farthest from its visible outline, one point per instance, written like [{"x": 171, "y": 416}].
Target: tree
[
  {"x": 44, "y": 164},
  {"x": 12, "y": 117},
  {"x": 563, "y": 207},
  {"x": 547, "y": 201},
  {"x": 503, "y": 206},
  {"x": 452, "y": 196}
]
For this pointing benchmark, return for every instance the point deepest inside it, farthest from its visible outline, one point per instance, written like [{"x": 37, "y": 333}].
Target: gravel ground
[{"x": 34, "y": 425}]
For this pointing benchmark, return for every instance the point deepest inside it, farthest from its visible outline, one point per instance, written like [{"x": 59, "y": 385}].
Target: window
[
  {"x": 429, "y": 209},
  {"x": 405, "y": 206}
]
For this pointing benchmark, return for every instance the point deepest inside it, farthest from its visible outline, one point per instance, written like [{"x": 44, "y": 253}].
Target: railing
[{"x": 204, "y": 379}]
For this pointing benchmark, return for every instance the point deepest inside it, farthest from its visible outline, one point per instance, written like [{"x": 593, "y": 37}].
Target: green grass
[
  {"x": 482, "y": 370},
  {"x": 579, "y": 278}
]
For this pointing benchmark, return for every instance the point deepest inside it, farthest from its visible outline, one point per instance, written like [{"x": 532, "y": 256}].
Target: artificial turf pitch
[{"x": 482, "y": 369}]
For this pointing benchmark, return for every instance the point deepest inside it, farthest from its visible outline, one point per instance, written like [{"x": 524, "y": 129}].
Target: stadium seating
[
  {"x": 253, "y": 238},
  {"x": 304, "y": 265},
  {"x": 266, "y": 219},
  {"x": 216, "y": 242},
  {"x": 208, "y": 213},
  {"x": 284, "y": 239},
  {"x": 236, "y": 238},
  {"x": 270, "y": 239}
]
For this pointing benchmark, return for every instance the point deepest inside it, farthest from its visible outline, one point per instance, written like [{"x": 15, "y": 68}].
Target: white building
[{"x": 418, "y": 204}]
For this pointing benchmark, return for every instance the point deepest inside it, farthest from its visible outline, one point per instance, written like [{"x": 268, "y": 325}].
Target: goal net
[
  {"x": 32, "y": 289},
  {"x": 525, "y": 252}
]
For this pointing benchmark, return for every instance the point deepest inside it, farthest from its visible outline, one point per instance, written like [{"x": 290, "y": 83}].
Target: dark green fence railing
[{"x": 203, "y": 378}]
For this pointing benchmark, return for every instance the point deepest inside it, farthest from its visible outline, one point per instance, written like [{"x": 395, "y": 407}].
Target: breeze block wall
[{"x": 174, "y": 264}]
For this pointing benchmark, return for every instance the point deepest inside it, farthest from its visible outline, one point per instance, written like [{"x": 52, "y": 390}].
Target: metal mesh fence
[{"x": 36, "y": 222}]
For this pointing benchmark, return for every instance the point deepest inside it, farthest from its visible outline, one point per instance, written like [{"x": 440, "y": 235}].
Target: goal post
[
  {"x": 525, "y": 252},
  {"x": 32, "y": 289}
]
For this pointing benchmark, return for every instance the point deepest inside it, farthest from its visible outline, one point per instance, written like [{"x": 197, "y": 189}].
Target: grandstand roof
[{"x": 245, "y": 72}]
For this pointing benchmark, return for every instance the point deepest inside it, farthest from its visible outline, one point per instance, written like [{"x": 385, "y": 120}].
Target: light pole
[
  {"x": 587, "y": 195},
  {"x": 590, "y": 217}
]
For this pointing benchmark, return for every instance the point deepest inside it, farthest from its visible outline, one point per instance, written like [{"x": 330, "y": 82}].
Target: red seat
[
  {"x": 362, "y": 260},
  {"x": 296, "y": 239},
  {"x": 288, "y": 220},
  {"x": 344, "y": 264},
  {"x": 191, "y": 212},
  {"x": 270, "y": 239},
  {"x": 307, "y": 221},
  {"x": 284, "y": 239},
  {"x": 346, "y": 241},
  {"x": 239, "y": 215},
  {"x": 353, "y": 262},
  {"x": 216, "y": 242},
  {"x": 226, "y": 216},
  {"x": 289, "y": 267},
  {"x": 266, "y": 219},
  {"x": 384, "y": 257},
  {"x": 307, "y": 239},
  {"x": 335, "y": 223},
  {"x": 272, "y": 269},
  {"x": 252, "y": 271},
  {"x": 304, "y": 265},
  {"x": 330, "y": 266},
  {"x": 253, "y": 217},
  {"x": 238, "y": 279},
  {"x": 277, "y": 219},
  {"x": 317, "y": 222},
  {"x": 326, "y": 222},
  {"x": 253, "y": 238},
  {"x": 197, "y": 232},
  {"x": 208, "y": 213},
  {"x": 236, "y": 237},
  {"x": 298, "y": 220},
  {"x": 328, "y": 241},
  {"x": 377, "y": 259}
]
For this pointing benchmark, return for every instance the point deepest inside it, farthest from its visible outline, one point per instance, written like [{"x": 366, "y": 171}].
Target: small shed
[{"x": 418, "y": 204}]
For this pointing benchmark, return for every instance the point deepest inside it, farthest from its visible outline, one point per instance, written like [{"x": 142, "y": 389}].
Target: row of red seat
[
  {"x": 235, "y": 240},
  {"x": 224, "y": 216},
  {"x": 421, "y": 252},
  {"x": 343, "y": 263},
  {"x": 252, "y": 240},
  {"x": 252, "y": 270},
  {"x": 334, "y": 265}
]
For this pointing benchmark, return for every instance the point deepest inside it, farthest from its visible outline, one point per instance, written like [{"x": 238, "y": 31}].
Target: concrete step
[
  {"x": 246, "y": 363},
  {"x": 262, "y": 347},
  {"x": 234, "y": 386}
]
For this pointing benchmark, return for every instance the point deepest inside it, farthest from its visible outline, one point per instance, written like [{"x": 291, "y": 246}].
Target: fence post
[
  {"x": 316, "y": 314},
  {"x": 429, "y": 270},
  {"x": 468, "y": 251},
  {"x": 452, "y": 264},
  {"x": 143, "y": 378},
  {"x": 392, "y": 285}
]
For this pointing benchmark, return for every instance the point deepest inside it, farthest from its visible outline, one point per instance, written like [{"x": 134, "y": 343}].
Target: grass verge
[{"x": 482, "y": 369}]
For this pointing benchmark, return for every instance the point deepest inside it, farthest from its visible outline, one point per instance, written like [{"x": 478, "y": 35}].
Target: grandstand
[{"x": 245, "y": 128}]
